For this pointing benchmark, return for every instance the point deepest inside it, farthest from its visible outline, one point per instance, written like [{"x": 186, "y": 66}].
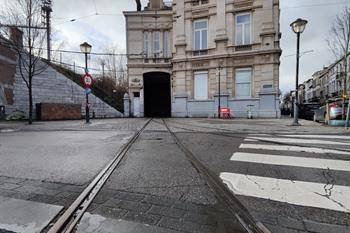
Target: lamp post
[
  {"x": 86, "y": 49},
  {"x": 219, "y": 104},
  {"x": 298, "y": 26}
]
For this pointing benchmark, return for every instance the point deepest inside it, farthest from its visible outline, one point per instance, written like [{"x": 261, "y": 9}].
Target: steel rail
[
  {"x": 69, "y": 219},
  {"x": 239, "y": 211}
]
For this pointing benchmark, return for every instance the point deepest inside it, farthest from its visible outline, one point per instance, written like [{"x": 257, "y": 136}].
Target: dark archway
[{"x": 157, "y": 97}]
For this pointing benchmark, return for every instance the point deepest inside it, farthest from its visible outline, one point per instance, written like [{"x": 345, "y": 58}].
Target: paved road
[
  {"x": 292, "y": 179},
  {"x": 156, "y": 185},
  {"x": 292, "y": 183}
]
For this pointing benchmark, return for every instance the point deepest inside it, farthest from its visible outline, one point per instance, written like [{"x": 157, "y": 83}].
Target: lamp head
[
  {"x": 298, "y": 26},
  {"x": 85, "y": 47}
]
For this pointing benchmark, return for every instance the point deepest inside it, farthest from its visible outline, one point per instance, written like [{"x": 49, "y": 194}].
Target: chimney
[
  {"x": 138, "y": 4},
  {"x": 156, "y": 4},
  {"x": 16, "y": 36}
]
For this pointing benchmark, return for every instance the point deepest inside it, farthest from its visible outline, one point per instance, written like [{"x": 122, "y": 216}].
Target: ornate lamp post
[
  {"x": 86, "y": 49},
  {"x": 219, "y": 104},
  {"x": 298, "y": 26}
]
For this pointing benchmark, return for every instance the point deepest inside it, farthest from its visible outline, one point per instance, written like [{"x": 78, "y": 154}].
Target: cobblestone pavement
[{"x": 40, "y": 191}]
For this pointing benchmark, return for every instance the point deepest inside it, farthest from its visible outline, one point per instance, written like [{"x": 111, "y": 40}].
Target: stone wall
[{"x": 53, "y": 87}]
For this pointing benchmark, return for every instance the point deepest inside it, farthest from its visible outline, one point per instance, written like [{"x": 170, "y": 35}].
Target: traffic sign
[
  {"x": 87, "y": 80},
  {"x": 88, "y": 90}
]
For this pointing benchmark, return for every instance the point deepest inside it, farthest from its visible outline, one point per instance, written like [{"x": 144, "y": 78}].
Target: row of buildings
[
  {"x": 182, "y": 56},
  {"x": 328, "y": 83}
]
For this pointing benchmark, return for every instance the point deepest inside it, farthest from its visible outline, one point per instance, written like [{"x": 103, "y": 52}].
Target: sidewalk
[
  {"x": 237, "y": 125},
  {"x": 241, "y": 125}
]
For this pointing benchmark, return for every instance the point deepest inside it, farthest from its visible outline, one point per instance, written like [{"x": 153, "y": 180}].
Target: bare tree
[
  {"x": 26, "y": 15},
  {"x": 115, "y": 64},
  {"x": 339, "y": 43}
]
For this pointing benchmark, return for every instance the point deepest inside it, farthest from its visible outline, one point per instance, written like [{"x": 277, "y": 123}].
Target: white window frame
[
  {"x": 243, "y": 29},
  {"x": 196, "y": 95},
  {"x": 166, "y": 44},
  {"x": 146, "y": 42},
  {"x": 250, "y": 82},
  {"x": 154, "y": 51},
  {"x": 200, "y": 30}
]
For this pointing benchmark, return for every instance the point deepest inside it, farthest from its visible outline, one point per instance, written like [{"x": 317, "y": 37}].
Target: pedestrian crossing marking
[
  {"x": 293, "y": 148},
  {"x": 297, "y": 140},
  {"x": 341, "y": 165},
  {"x": 250, "y": 140},
  {"x": 302, "y": 193},
  {"x": 318, "y": 136}
]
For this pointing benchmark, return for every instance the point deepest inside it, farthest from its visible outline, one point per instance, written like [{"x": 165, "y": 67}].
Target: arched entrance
[{"x": 157, "y": 100}]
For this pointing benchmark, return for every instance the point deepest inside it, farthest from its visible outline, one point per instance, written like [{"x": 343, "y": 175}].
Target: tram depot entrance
[{"x": 157, "y": 100}]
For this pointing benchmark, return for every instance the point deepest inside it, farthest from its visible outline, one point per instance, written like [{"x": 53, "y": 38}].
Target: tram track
[
  {"x": 238, "y": 211},
  {"x": 68, "y": 220}
]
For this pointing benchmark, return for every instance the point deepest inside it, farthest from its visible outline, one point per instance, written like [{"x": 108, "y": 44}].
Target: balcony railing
[
  {"x": 247, "y": 47},
  {"x": 200, "y": 52},
  {"x": 199, "y": 2}
]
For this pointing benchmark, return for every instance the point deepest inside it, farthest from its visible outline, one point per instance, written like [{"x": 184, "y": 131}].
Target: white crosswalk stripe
[
  {"x": 293, "y": 148},
  {"x": 341, "y": 165},
  {"x": 295, "y": 192},
  {"x": 319, "y": 136},
  {"x": 300, "y": 141}
]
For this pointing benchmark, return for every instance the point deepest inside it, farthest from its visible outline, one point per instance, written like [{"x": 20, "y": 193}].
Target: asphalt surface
[
  {"x": 215, "y": 148},
  {"x": 156, "y": 185},
  {"x": 156, "y": 189}
]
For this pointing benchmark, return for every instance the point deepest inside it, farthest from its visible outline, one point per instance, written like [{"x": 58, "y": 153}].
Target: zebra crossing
[{"x": 306, "y": 153}]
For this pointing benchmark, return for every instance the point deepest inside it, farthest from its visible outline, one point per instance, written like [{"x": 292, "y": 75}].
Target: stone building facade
[
  {"x": 194, "y": 44},
  {"x": 328, "y": 83}
]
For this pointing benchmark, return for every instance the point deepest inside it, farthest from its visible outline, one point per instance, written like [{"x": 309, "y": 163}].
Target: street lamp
[
  {"x": 298, "y": 26},
  {"x": 86, "y": 49},
  {"x": 219, "y": 104}
]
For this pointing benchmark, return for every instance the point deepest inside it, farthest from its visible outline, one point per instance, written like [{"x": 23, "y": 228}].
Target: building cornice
[
  {"x": 230, "y": 55},
  {"x": 149, "y": 13}
]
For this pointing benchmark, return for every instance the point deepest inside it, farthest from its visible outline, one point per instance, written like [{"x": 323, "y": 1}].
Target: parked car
[
  {"x": 306, "y": 110},
  {"x": 335, "y": 111}
]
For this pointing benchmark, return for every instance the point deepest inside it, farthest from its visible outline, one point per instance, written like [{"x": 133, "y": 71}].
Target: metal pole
[
  {"x": 347, "y": 115},
  {"x": 296, "y": 104},
  {"x": 48, "y": 32},
  {"x": 219, "y": 93},
  {"x": 87, "y": 113},
  {"x": 103, "y": 69}
]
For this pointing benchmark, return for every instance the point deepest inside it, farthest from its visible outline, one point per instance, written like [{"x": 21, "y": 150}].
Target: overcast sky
[{"x": 109, "y": 28}]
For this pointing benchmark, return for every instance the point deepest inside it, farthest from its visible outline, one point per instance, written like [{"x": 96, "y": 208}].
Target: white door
[{"x": 136, "y": 106}]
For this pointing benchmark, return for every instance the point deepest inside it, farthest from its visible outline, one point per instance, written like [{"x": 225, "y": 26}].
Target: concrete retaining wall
[{"x": 53, "y": 87}]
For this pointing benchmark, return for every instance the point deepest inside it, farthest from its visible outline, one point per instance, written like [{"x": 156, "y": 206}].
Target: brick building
[
  {"x": 178, "y": 52},
  {"x": 8, "y": 61}
]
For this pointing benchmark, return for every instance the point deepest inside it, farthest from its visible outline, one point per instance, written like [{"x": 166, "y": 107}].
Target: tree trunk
[
  {"x": 347, "y": 115},
  {"x": 30, "y": 118}
]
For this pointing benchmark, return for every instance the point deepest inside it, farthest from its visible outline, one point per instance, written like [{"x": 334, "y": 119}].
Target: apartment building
[
  {"x": 327, "y": 83},
  {"x": 182, "y": 56}
]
